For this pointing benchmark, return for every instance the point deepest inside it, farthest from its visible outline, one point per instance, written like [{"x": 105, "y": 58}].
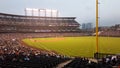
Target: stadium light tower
[{"x": 97, "y": 49}]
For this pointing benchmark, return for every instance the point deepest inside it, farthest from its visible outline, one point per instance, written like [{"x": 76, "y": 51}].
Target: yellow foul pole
[{"x": 97, "y": 26}]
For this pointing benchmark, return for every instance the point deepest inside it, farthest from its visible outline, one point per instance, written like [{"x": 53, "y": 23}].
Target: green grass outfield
[{"x": 76, "y": 46}]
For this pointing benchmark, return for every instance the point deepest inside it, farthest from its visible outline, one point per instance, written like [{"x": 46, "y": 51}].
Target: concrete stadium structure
[{"x": 21, "y": 23}]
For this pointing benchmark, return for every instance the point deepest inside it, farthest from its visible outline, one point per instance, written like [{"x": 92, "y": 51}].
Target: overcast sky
[{"x": 83, "y": 10}]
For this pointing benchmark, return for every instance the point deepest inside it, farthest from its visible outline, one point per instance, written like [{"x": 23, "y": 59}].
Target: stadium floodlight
[
  {"x": 52, "y": 13},
  {"x": 41, "y": 12},
  {"x": 56, "y": 12},
  {"x": 28, "y": 9}
]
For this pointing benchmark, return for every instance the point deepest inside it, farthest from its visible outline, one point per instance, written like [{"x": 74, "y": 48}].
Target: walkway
[{"x": 61, "y": 65}]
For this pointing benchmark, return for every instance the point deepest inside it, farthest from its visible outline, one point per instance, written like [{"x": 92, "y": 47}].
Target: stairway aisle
[{"x": 61, "y": 65}]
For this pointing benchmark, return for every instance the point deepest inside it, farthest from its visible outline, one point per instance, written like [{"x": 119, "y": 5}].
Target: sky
[{"x": 83, "y": 10}]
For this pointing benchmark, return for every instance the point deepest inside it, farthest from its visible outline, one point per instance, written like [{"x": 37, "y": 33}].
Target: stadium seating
[
  {"x": 19, "y": 23},
  {"x": 111, "y": 33},
  {"x": 15, "y": 54},
  {"x": 106, "y": 62}
]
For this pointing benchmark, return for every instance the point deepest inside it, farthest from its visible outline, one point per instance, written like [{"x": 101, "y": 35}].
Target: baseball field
[{"x": 76, "y": 46}]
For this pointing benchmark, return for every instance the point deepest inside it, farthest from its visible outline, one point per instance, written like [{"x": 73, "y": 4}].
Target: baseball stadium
[{"x": 30, "y": 41}]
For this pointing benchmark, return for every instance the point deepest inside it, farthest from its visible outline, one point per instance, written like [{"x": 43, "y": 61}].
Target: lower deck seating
[
  {"x": 107, "y": 62},
  {"x": 30, "y": 61},
  {"x": 15, "y": 54}
]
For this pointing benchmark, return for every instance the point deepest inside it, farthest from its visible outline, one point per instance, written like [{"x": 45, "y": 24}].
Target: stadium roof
[{"x": 23, "y": 16}]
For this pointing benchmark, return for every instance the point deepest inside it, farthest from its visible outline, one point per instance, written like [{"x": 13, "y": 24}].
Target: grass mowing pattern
[{"x": 76, "y": 46}]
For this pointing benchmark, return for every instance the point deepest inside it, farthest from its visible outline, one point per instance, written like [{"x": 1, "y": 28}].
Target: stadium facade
[{"x": 21, "y": 23}]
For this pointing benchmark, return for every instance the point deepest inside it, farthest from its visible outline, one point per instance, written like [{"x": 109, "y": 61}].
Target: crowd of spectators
[
  {"x": 106, "y": 62},
  {"x": 111, "y": 33},
  {"x": 14, "y": 54},
  {"x": 18, "y": 23}
]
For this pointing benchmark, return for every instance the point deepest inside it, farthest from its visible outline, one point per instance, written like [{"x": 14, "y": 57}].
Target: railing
[{"x": 101, "y": 55}]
